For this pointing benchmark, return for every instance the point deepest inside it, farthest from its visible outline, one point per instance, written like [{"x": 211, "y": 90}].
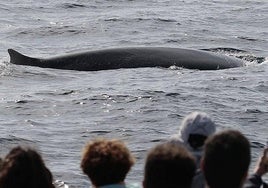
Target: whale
[{"x": 131, "y": 57}]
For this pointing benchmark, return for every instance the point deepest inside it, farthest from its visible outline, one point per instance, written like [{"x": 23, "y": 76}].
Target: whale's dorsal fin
[{"x": 20, "y": 59}]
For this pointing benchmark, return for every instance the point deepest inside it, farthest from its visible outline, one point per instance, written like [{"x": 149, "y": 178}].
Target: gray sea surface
[{"x": 58, "y": 111}]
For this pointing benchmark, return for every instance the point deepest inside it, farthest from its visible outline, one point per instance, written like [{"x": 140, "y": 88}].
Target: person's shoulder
[{"x": 175, "y": 139}]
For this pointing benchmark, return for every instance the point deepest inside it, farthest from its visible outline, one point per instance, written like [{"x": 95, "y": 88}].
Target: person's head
[
  {"x": 195, "y": 128},
  {"x": 106, "y": 161},
  {"x": 24, "y": 167},
  {"x": 169, "y": 165},
  {"x": 226, "y": 159}
]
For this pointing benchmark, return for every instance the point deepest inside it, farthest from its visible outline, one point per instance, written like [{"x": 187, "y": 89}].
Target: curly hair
[
  {"x": 106, "y": 161},
  {"x": 24, "y": 167}
]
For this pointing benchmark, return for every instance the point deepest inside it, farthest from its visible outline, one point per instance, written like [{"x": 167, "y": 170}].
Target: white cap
[{"x": 196, "y": 123}]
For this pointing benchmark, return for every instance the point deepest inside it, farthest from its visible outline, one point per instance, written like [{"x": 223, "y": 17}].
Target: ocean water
[{"x": 58, "y": 111}]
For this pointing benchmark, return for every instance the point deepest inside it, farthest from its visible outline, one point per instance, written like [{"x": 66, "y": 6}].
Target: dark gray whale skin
[{"x": 132, "y": 57}]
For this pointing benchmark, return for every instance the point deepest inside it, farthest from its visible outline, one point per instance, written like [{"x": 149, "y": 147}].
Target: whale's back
[{"x": 131, "y": 58}]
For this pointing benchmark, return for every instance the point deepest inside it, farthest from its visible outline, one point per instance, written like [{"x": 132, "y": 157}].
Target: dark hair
[
  {"x": 106, "y": 161},
  {"x": 24, "y": 167},
  {"x": 169, "y": 165},
  {"x": 226, "y": 159}
]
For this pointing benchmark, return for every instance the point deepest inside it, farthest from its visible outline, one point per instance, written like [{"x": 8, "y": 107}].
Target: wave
[
  {"x": 238, "y": 53},
  {"x": 141, "y": 19},
  {"x": 72, "y": 5},
  {"x": 10, "y": 141},
  {"x": 48, "y": 31},
  {"x": 5, "y": 69}
]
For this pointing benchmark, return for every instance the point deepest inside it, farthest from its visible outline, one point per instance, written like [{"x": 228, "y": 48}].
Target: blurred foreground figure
[
  {"x": 169, "y": 166},
  {"x": 226, "y": 160},
  {"x": 106, "y": 163},
  {"x": 255, "y": 180},
  {"x": 24, "y": 167},
  {"x": 194, "y": 130}
]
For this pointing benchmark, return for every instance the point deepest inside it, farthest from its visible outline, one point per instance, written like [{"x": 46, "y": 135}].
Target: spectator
[
  {"x": 194, "y": 130},
  {"x": 106, "y": 163},
  {"x": 169, "y": 166},
  {"x": 24, "y": 167},
  {"x": 226, "y": 160},
  {"x": 255, "y": 180}
]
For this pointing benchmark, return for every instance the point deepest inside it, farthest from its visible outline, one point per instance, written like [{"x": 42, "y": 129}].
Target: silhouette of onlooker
[
  {"x": 24, "y": 167},
  {"x": 107, "y": 162},
  {"x": 170, "y": 166},
  {"x": 194, "y": 130},
  {"x": 255, "y": 180},
  {"x": 226, "y": 159}
]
